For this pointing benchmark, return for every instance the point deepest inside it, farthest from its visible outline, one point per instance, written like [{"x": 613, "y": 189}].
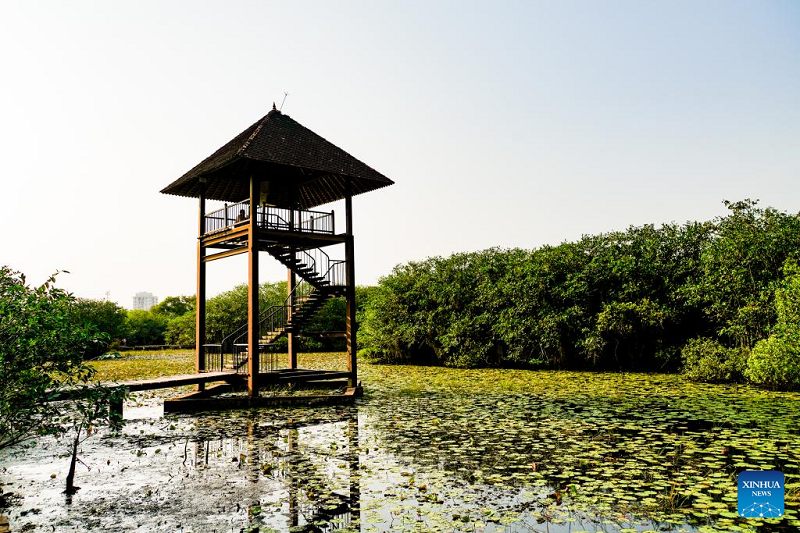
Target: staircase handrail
[
  {"x": 325, "y": 260},
  {"x": 326, "y": 271},
  {"x": 331, "y": 279},
  {"x": 268, "y": 314},
  {"x": 313, "y": 264},
  {"x": 301, "y": 286},
  {"x": 226, "y": 341}
]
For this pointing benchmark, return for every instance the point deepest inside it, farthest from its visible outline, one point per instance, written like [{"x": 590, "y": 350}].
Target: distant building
[{"x": 144, "y": 301}]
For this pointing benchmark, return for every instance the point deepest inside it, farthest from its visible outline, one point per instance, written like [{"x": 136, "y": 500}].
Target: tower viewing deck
[
  {"x": 270, "y": 218},
  {"x": 270, "y": 178}
]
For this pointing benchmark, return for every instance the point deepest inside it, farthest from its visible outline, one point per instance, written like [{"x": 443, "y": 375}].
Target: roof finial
[
  {"x": 285, "y": 94},
  {"x": 273, "y": 107}
]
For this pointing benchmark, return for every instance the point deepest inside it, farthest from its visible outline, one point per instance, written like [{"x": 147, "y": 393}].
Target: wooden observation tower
[{"x": 270, "y": 177}]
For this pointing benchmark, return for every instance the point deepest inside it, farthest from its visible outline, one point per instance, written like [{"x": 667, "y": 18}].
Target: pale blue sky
[{"x": 502, "y": 123}]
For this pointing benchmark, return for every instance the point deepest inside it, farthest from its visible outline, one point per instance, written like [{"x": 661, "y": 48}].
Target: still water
[{"x": 429, "y": 450}]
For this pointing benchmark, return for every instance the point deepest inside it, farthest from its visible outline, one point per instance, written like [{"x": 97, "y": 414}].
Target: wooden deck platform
[
  {"x": 203, "y": 401},
  {"x": 230, "y": 381},
  {"x": 167, "y": 382}
]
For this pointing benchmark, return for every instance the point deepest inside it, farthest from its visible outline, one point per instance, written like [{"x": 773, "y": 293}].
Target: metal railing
[
  {"x": 270, "y": 218},
  {"x": 300, "y": 294},
  {"x": 273, "y": 323},
  {"x": 231, "y": 352},
  {"x": 330, "y": 270},
  {"x": 224, "y": 353},
  {"x": 227, "y": 217},
  {"x": 282, "y": 219}
]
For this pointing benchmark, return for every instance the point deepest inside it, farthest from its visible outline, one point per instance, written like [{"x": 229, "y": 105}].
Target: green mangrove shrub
[
  {"x": 43, "y": 347},
  {"x": 775, "y": 361},
  {"x": 628, "y": 300},
  {"x": 708, "y": 360}
]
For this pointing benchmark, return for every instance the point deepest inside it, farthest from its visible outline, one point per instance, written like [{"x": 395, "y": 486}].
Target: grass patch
[
  {"x": 144, "y": 365},
  {"x": 147, "y": 364}
]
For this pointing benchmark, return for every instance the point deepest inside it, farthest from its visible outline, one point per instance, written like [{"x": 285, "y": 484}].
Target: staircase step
[{"x": 306, "y": 306}]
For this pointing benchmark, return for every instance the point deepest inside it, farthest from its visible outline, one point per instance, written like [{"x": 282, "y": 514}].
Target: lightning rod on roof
[{"x": 285, "y": 94}]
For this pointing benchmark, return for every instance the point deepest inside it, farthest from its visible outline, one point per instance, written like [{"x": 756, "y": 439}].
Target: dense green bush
[
  {"x": 707, "y": 360},
  {"x": 181, "y": 330},
  {"x": 741, "y": 269},
  {"x": 100, "y": 316},
  {"x": 174, "y": 306},
  {"x": 775, "y": 361},
  {"x": 42, "y": 349},
  {"x": 607, "y": 301},
  {"x": 145, "y": 328},
  {"x": 439, "y": 311},
  {"x": 623, "y": 300},
  {"x": 787, "y": 297}
]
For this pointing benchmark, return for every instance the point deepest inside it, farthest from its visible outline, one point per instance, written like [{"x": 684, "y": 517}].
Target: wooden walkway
[
  {"x": 207, "y": 399},
  {"x": 279, "y": 377},
  {"x": 166, "y": 382}
]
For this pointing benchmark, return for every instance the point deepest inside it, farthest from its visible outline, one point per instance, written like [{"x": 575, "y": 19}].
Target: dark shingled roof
[{"x": 285, "y": 155}]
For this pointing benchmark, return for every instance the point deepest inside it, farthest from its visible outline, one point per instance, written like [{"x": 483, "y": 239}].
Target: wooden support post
[
  {"x": 253, "y": 329},
  {"x": 291, "y": 283},
  {"x": 352, "y": 327},
  {"x": 200, "y": 307}
]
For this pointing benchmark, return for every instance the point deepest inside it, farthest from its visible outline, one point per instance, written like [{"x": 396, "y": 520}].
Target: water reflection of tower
[
  {"x": 284, "y": 452},
  {"x": 345, "y": 510},
  {"x": 355, "y": 468},
  {"x": 292, "y": 480}
]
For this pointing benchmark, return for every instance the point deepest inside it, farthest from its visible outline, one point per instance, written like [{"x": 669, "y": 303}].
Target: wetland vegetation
[
  {"x": 427, "y": 449},
  {"x": 528, "y": 390},
  {"x": 718, "y": 299}
]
